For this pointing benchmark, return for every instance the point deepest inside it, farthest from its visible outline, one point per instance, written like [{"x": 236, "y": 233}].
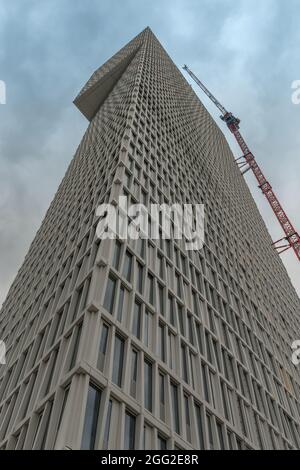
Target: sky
[{"x": 246, "y": 51}]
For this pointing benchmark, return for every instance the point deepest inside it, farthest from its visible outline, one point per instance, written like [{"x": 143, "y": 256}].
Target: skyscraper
[{"x": 121, "y": 344}]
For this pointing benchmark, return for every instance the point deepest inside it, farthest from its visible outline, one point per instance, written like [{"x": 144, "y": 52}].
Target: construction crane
[{"x": 248, "y": 162}]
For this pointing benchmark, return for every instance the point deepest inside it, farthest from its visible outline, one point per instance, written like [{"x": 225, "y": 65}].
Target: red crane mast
[{"x": 248, "y": 162}]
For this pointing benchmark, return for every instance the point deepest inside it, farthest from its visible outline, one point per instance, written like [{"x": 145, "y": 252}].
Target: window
[
  {"x": 134, "y": 371},
  {"x": 76, "y": 341},
  {"x": 151, "y": 253},
  {"x": 150, "y": 289},
  {"x": 127, "y": 268},
  {"x": 56, "y": 323},
  {"x": 161, "y": 299},
  {"x": 147, "y": 441},
  {"x": 161, "y": 342},
  {"x": 216, "y": 352},
  {"x": 148, "y": 318},
  {"x": 78, "y": 301},
  {"x": 37, "y": 428},
  {"x": 141, "y": 247},
  {"x": 184, "y": 363},
  {"x": 210, "y": 432},
  {"x": 230, "y": 439},
  {"x": 117, "y": 254},
  {"x": 160, "y": 266},
  {"x": 205, "y": 384},
  {"x": 214, "y": 386},
  {"x": 63, "y": 406},
  {"x": 231, "y": 403},
  {"x": 144, "y": 197},
  {"x": 239, "y": 443},
  {"x": 162, "y": 397},
  {"x": 241, "y": 416},
  {"x": 178, "y": 288},
  {"x": 176, "y": 256},
  {"x": 107, "y": 426},
  {"x": 161, "y": 442},
  {"x": 129, "y": 435},
  {"x": 225, "y": 402},
  {"x": 136, "y": 321},
  {"x": 187, "y": 418},
  {"x": 183, "y": 265},
  {"x": 199, "y": 426},
  {"x": 102, "y": 347},
  {"x": 62, "y": 322},
  {"x": 193, "y": 369},
  {"x": 110, "y": 294},
  {"x": 168, "y": 248},
  {"x": 139, "y": 278},
  {"x": 191, "y": 329},
  {"x": 175, "y": 407},
  {"x": 208, "y": 348},
  {"x": 172, "y": 350},
  {"x": 148, "y": 385},
  {"x": 127, "y": 179},
  {"x": 195, "y": 305},
  {"x": 199, "y": 337},
  {"x": 50, "y": 371},
  {"x": 123, "y": 303},
  {"x": 220, "y": 435},
  {"x": 44, "y": 437},
  {"x": 118, "y": 361},
  {"x": 171, "y": 310},
  {"x": 180, "y": 318},
  {"x": 28, "y": 394},
  {"x": 91, "y": 418}
]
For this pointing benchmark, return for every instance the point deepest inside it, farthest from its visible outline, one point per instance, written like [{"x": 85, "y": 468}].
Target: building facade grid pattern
[{"x": 141, "y": 344}]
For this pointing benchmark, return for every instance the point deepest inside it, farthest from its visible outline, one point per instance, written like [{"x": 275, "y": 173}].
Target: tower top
[{"x": 103, "y": 80}]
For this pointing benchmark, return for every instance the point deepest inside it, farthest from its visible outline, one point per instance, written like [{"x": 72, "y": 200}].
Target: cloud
[{"x": 246, "y": 52}]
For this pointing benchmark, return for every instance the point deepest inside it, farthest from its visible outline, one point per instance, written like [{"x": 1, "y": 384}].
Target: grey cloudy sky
[{"x": 246, "y": 51}]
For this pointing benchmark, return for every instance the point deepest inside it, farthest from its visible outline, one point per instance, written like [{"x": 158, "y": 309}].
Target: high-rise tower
[{"x": 141, "y": 344}]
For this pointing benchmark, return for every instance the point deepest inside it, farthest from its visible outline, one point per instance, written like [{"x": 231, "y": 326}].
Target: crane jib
[{"x": 291, "y": 236}]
